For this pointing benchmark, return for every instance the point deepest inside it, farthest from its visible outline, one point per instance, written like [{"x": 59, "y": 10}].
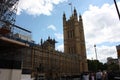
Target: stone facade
[{"x": 74, "y": 41}]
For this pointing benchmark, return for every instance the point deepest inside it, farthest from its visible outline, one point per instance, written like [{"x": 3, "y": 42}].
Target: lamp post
[
  {"x": 117, "y": 9},
  {"x": 95, "y": 52}
]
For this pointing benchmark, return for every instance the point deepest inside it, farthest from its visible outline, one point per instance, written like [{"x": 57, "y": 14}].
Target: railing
[{"x": 15, "y": 32}]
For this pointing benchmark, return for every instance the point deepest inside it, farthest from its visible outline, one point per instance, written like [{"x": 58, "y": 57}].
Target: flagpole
[
  {"x": 71, "y": 7},
  {"x": 117, "y": 9}
]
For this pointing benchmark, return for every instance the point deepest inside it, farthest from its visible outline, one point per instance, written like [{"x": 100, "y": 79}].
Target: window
[{"x": 70, "y": 34}]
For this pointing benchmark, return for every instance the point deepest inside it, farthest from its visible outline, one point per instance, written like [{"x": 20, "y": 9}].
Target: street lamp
[{"x": 95, "y": 52}]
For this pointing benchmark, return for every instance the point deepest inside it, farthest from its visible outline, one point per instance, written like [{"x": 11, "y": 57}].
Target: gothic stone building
[
  {"x": 18, "y": 53},
  {"x": 45, "y": 59}
]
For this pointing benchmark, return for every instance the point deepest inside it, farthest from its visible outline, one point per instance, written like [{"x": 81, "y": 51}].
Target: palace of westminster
[
  {"x": 21, "y": 57},
  {"x": 22, "y": 53},
  {"x": 45, "y": 59}
]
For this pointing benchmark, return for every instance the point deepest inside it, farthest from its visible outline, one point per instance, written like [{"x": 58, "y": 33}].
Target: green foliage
[
  {"x": 95, "y": 65},
  {"x": 113, "y": 67}
]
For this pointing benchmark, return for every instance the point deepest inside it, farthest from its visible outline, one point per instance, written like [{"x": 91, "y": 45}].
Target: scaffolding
[
  {"x": 13, "y": 38},
  {"x": 8, "y": 9}
]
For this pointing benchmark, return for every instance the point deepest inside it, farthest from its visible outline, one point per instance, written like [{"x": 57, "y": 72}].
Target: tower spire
[
  {"x": 75, "y": 14},
  {"x": 64, "y": 18},
  {"x": 80, "y": 17}
]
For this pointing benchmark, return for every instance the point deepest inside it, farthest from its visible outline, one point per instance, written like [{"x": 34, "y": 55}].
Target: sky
[{"x": 100, "y": 21}]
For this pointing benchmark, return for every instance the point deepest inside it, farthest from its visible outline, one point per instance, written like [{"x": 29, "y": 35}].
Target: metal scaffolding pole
[{"x": 117, "y": 9}]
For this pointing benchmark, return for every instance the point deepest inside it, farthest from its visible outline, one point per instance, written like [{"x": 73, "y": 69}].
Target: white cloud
[
  {"x": 37, "y": 7},
  {"x": 101, "y": 24},
  {"x": 52, "y": 27},
  {"x": 60, "y": 47},
  {"x": 58, "y": 35},
  {"x": 103, "y": 52}
]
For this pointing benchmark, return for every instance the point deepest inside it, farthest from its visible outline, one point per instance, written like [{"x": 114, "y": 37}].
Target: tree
[
  {"x": 113, "y": 67},
  {"x": 95, "y": 65}
]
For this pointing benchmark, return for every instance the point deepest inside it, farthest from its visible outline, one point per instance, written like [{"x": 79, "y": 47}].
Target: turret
[
  {"x": 75, "y": 14},
  {"x": 64, "y": 18},
  {"x": 41, "y": 41},
  {"x": 80, "y": 18}
]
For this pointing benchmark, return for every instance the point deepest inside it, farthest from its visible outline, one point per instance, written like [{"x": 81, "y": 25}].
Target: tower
[{"x": 74, "y": 41}]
